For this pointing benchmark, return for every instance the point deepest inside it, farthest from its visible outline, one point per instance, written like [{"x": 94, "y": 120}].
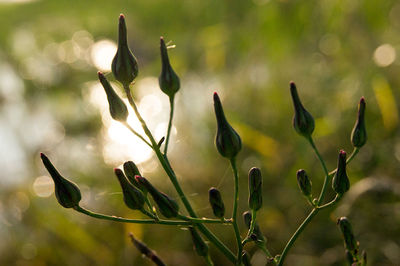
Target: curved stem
[
  {"x": 208, "y": 260},
  {"x": 296, "y": 235},
  {"x": 171, "y": 116},
  {"x": 234, "y": 212},
  {"x": 137, "y": 134},
  {"x": 164, "y": 163},
  {"x": 327, "y": 177},
  {"x": 251, "y": 229}
]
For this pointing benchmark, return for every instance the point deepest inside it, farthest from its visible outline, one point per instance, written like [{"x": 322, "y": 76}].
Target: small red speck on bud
[
  {"x": 292, "y": 83},
  {"x": 42, "y": 155},
  {"x": 342, "y": 152},
  {"x": 121, "y": 16},
  {"x": 100, "y": 74},
  {"x": 362, "y": 100}
]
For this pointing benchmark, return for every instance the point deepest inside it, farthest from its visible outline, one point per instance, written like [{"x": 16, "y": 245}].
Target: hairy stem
[{"x": 234, "y": 212}]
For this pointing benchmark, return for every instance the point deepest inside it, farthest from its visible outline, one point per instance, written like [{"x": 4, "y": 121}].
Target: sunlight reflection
[
  {"x": 102, "y": 53},
  {"x": 43, "y": 186},
  {"x": 384, "y": 55}
]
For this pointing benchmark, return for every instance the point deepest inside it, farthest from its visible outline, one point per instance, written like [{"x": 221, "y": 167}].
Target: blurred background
[{"x": 247, "y": 51}]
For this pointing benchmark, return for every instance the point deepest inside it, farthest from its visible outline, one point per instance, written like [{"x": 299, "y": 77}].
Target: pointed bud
[
  {"x": 255, "y": 189},
  {"x": 216, "y": 202},
  {"x": 340, "y": 182},
  {"x": 146, "y": 251},
  {"x": 131, "y": 171},
  {"x": 67, "y": 192},
  {"x": 124, "y": 65},
  {"x": 198, "y": 243},
  {"x": 246, "y": 258},
  {"x": 304, "y": 183},
  {"x": 348, "y": 236},
  {"x": 167, "y": 206},
  {"x": 228, "y": 142},
  {"x": 359, "y": 133},
  {"x": 303, "y": 122},
  {"x": 168, "y": 80},
  {"x": 257, "y": 231},
  {"x": 133, "y": 197},
  {"x": 118, "y": 110}
]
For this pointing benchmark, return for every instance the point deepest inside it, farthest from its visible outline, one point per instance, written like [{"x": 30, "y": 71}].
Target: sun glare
[{"x": 102, "y": 54}]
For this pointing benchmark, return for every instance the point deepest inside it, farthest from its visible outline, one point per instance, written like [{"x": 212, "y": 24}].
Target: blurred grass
[{"x": 248, "y": 51}]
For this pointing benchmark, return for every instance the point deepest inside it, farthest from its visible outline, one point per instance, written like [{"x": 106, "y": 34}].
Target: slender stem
[
  {"x": 234, "y": 212},
  {"x": 125, "y": 220},
  {"x": 296, "y": 235},
  {"x": 251, "y": 229},
  {"x": 137, "y": 134},
  {"x": 201, "y": 220},
  {"x": 266, "y": 252},
  {"x": 208, "y": 260},
  {"x": 318, "y": 207},
  {"x": 349, "y": 159},
  {"x": 164, "y": 163},
  {"x": 327, "y": 177},
  {"x": 171, "y": 116}
]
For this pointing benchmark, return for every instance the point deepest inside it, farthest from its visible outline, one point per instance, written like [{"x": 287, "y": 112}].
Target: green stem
[
  {"x": 251, "y": 229},
  {"x": 201, "y": 220},
  {"x": 234, "y": 212},
  {"x": 327, "y": 177},
  {"x": 331, "y": 203},
  {"x": 137, "y": 134},
  {"x": 171, "y": 116},
  {"x": 296, "y": 235},
  {"x": 125, "y": 220},
  {"x": 164, "y": 163},
  {"x": 208, "y": 260}
]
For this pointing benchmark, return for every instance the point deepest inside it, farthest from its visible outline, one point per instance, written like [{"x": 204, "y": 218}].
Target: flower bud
[
  {"x": 133, "y": 197},
  {"x": 146, "y": 251},
  {"x": 246, "y": 258},
  {"x": 198, "y": 243},
  {"x": 67, "y": 192},
  {"x": 340, "y": 182},
  {"x": 216, "y": 202},
  {"x": 256, "y": 232},
  {"x": 304, "y": 183},
  {"x": 124, "y": 65},
  {"x": 303, "y": 122},
  {"x": 168, "y": 207},
  {"x": 168, "y": 80},
  {"x": 228, "y": 142},
  {"x": 347, "y": 232},
  {"x": 359, "y": 133},
  {"x": 255, "y": 189},
  {"x": 131, "y": 171},
  {"x": 118, "y": 110}
]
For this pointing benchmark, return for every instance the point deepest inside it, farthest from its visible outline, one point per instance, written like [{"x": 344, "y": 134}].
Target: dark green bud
[
  {"x": 246, "y": 258},
  {"x": 216, "y": 202},
  {"x": 303, "y": 122},
  {"x": 168, "y": 80},
  {"x": 131, "y": 171},
  {"x": 167, "y": 206},
  {"x": 118, "y": 110},
  {"x": 348, "y": 236},
  {"x": 255, "y": 189},
  {"x": 133, "y": 197},
  {"x": 257, "y": 232},
  {"x": 67, "y": 192},
  {"x": 359, "y": 133},
  {"x": 340, "y": 182},
  {"x": 304, "y": 183},
  {"x": 228, "y": 142},
  {"x": 198, "y": 243},
  {"x": 124, "y": 65}
]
